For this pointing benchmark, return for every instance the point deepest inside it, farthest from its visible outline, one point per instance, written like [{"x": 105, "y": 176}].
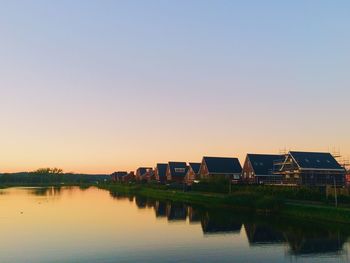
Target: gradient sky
[{"x": 98, "y": 86}]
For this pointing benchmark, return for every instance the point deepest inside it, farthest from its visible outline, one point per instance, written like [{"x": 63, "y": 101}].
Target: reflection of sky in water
[{"x": 74, "y": 225}]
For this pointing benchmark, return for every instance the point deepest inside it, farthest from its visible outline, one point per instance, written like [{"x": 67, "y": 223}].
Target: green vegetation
[
  {"x": 49, "y": 176},
  {"x": 266, "y": 200}
]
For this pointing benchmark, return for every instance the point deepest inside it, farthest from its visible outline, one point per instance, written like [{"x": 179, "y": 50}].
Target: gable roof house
[
  {"x": 259, "y": 169},
  {"x": 220, "y": 167},
  {"x": 176, "y": 171},
  {"x": 192, "y": 173},
  {"x": 144, "y": 173},
  {"x": 160, "y": 172},
  {"x": 311, "y": 169}
]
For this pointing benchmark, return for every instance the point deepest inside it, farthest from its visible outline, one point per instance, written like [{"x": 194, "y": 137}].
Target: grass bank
[{"x": 257, "y": 202}]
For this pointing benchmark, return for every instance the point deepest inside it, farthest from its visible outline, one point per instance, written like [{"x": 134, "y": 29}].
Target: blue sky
[{"x": 94, "y": 85}]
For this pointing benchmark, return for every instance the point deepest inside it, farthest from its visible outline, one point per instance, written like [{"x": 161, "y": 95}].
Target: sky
[{"x": 99, "y": 86}]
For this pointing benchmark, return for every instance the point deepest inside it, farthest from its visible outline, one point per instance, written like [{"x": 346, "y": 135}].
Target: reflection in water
[
  {"x": 94, "y": 225},
  {"x": 46, "y": 191},
  {"x": 176, "y": 212},
  {"x": 315, "y": 240},
  {"x": 302, "y": 239},
  {"x": 160, "y": 209},
  {"x": 219, "y": 223},
  {"x": 263, "y": 234},
  {"x": 194, "y": 215}
]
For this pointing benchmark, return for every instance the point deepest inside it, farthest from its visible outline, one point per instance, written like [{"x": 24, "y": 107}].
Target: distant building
[
  {"x": 144, "y": 174},
  {"x": 129, "y": 177},
  {"x": 176, "y": 171},
  {"x": 259, "y": 169},
  {"x": 220, "y": 167},
  {"x": 117, "y": 176},
  {"x": 160, "y": 172},
  {"x": 192, "y": 173},
  {"x": 311, "y": 169}
]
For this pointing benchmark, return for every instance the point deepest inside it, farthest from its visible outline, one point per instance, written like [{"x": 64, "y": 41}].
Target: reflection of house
[
  {"x": 144, "y": 173},
  {"x": 160, "y": 209},
  {"x": 176, "y": 212},
  {"x": 160, "y": 172},
  {"x": 258, "y": 234},
  {"x": 322, "y": 242},
  {"x": 258, "y": 169},
  {"x": 141, "y": 202},
  {"x": 220, "y": 167},
  {"x": 192, "y": 173},
  {"x": 176, "y": 171},
  {"x": 217, "y": 223},
  {"x": 310, "y": 168},
  {"x": 193, "y": 215}
]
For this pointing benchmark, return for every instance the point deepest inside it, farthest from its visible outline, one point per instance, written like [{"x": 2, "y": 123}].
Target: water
[{"x": 92, "y": 225}]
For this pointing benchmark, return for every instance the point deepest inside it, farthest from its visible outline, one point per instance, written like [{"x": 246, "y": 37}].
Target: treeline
[{"x": 50, "y": 176}]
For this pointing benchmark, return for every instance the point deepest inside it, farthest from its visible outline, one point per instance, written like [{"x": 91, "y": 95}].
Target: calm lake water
[{"x": 92, "y": 225}]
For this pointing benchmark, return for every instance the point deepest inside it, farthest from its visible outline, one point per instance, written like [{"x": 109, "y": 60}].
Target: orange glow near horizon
[{"x": 142, "y": 86}]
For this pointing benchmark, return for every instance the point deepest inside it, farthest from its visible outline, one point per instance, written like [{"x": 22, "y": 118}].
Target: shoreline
[
  {"x": 273, "y": 207},
  {"x": 236, "y": 201}
]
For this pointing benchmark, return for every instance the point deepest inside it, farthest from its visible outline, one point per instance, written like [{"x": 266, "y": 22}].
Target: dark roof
[
  {"x": 263, "y": 163},
  {"x": 223, "y": 165},
  {"x": 195, "y": 167},
  {"x": 315, "y": 160},
  {"x": 119, "y": 174},
  {"x": 143, "y": 170},
  {"x": 161, "y": 167},
  {"x": 175, "y": 165}
]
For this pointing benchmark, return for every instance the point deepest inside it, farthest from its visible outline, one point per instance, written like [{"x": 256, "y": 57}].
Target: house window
[{"x": 179, "y": 170}]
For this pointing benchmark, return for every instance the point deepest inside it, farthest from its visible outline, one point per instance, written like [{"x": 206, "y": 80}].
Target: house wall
[
  {"x": 248, "y": 174},
  {"x": 293, "y": 175},
  {"x": 190, "y": 176},
  {"x": 322, "y": 178},
  {"x": 203, "y": 170},
  {"x": 168, "y": 174}
]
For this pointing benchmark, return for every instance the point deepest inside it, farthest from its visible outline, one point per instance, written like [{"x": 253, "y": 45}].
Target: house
[
  {"x": 310, "y": 169},
  {"x": 176, "y": 171},
  {"x": 160, "y": 172},
  {"x": 347, "y": 178},
  {"x": 192, "y": 173},
  {"x": 129, "y": 177},
  {"x": 220, "y": 167},
  {"x": 117, "y": 176},
  {"x": 144, "y": 173},
  {"x": 258, "y": 169}
]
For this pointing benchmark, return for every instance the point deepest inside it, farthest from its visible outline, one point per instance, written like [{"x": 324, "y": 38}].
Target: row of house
[{"x": 293, "y": 168}]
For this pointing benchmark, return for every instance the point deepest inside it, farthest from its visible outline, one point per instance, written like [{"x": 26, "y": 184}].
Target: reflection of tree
[
  {"x": 46, "y": 191},
  {"x": 118, "y": 196},
  {"x": 217, "y": 222}
]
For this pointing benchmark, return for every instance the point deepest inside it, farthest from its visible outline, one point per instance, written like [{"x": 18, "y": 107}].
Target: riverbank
[{"x": 253, "y": 203}]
